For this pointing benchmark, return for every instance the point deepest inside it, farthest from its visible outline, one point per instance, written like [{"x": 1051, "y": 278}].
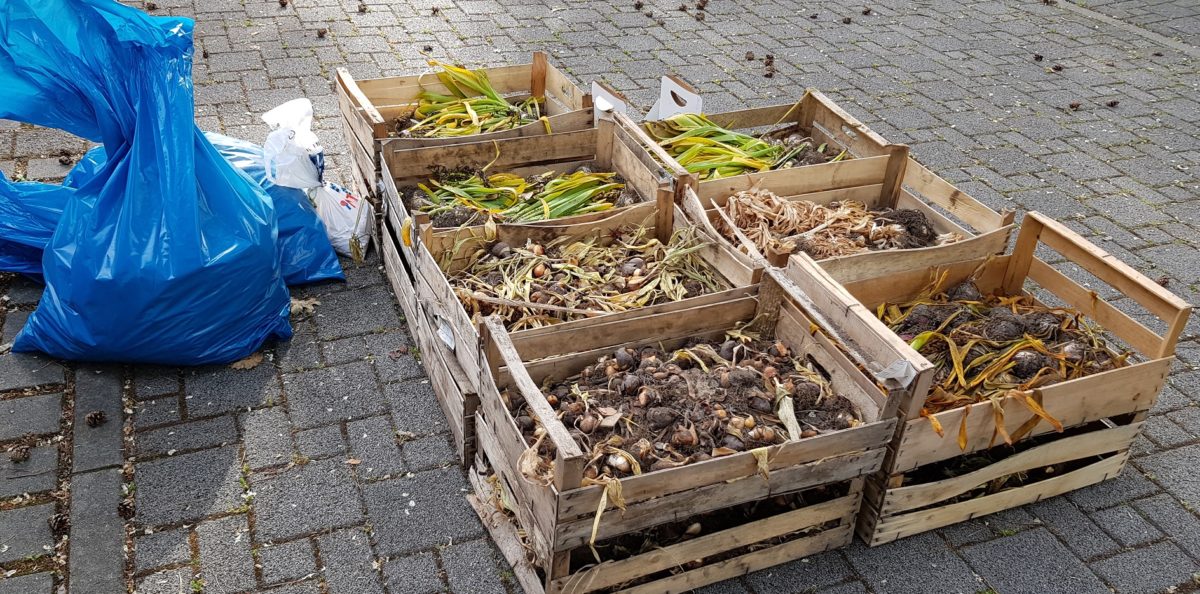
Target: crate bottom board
[
  {"x": 1103, "y": 452},
  {"x": 507, "y": 537}
]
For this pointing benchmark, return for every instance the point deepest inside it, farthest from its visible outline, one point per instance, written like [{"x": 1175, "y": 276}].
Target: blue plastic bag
[
  {"x": 26, "y": 228},
  {"x": 168, "y": 254}
]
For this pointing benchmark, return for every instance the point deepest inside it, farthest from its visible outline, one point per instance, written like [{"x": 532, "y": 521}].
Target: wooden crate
[
  {"x": 889, "y": 180},
  {"x": 817, "y": 116},
  {"x": 556, "y": 520},
  {"x": 455, "y": 396},
  {"x": 1110, "y": 404},
  {"x": 608, "y": 147},
  {"x": 455, "y": 327},
  {"x": 369, "y": 107}
]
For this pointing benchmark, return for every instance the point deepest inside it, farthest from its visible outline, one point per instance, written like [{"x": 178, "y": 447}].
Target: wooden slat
[
  {"x": 360, "y": 99},
  {"x": 402, "y": 90},
  {"x": 889, "y": 529},
  {"x": 802, "y": 180},
  {"x": 612, "y": 573},
  {"x": 458, "y": 407},
  {"x": 681, "y": 505},
  {"x": 1119, "y": 275},
  {"x": 535, "y": 401},
  {"x": 1077, "y": 402},
  {"x": 875, "y": 265},
  {"x": 679, "y": 583},
  {"x": 1057, "y": 451},
  {"x": 410, "y": 166},
  {"x": 504, "y": 534},
  {"x": 844, "y": 128},
  {"x": 662, "y": 321},
  {"x": 960, "y": 204},
  {"x": 534, "y": 511},
  {"x": 1088, "y": 302},
  {"x": 581, "y": 502}
]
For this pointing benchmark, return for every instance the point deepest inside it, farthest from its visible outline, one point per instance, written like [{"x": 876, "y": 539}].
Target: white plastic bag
[
  {"x": 294, "y": 157},
  {"x": 349, "y": 219}
]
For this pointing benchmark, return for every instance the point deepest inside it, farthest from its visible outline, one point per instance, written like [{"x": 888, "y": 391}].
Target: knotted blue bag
[{"x": 168, "y": 254}]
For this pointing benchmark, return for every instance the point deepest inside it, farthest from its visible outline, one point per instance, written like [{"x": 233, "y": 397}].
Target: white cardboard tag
[
  {"x": 675, "y": 97},
  {"x": 606, "y": 100}
]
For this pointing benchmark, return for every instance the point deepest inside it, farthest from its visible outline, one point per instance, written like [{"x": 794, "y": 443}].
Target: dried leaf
[
  {"x": 248, "y": 363},
  {"x": 304, "y": 307},
  {"x": 764, "y": 461},
  {"x": 723, "y": 451},
  {"x": 354, "y": 461},
  {"x": 962, "y": 429}
]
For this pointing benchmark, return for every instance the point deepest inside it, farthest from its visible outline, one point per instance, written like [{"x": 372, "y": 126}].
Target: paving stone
[
  {"x": 267, "y": 436},
  {"x": 26, "y": 370},
  {"x": 188, "y": 487},
  {"x": 216, "y": 390},
  {"x": 1126, "y": 486},
  {"x": 323, "y": 396},
  {"x": 320, "y": 442},
  {"x": 34, "y": 475},
  {"x": 805, "y": 574},
  {"x": 348, "y": 562},
  {"x": 725, "y": 587},
  {"x": 23, "y": 291},
  {"x": 226, "y": 565},
  {"x": 1180, "y": 524},
  {"x": 305, "y": 499},
  {"x": 152, "y": 381},
  {"x": 1175, "y": 470},
  {"x": 310, "y": 587},
  {"x": 416, "y": 513},
  {"x": 152, "y": 413},
  {"x": 287, "y": 561},
  {"x": 1074, "y": 528},
  {"x": 301, "y": 352},
  {"x": 34, "y": 583},
  {"x": 24, "y": 532},
  {"x": 1126, "y": 525},
  {"x": 97, "y": 533},
  {"x": 187, "y": 436},
  {"x": 373, "y": 442},
  {"x": 1032, "y": 562},
  {"x": 415, "y": 574},
  {"x": 363, "y": 311},
  {"x": 47, "y": 170},
  {"x": 161, "y": 548},
  {"x": 389, "y": 353},
  {"x": 98, "y": 389},
  {"x": 172, "y": 581},
  {"x": 916, "y": 565},
  {"x": 415, "y": 408},
  {"x": 474, "y": 567},
  {"x": 30, "y": 415},
  {"x": 1146, "y": 570},
  {"x": 433, "y": 451}
]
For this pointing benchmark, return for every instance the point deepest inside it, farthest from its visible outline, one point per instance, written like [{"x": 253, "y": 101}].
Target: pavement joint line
[{"x": 1156, "y": 37}]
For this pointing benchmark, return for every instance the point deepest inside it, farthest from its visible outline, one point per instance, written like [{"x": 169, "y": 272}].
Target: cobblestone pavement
[{"x": 328, "y": 467}]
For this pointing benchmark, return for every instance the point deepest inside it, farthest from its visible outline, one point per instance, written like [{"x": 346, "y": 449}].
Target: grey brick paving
[
  {"x": 226, "y": 564},
  {"x": 1147, "y": 570},
  {"x": 188, "y": 487},
  {"x": 159, "y": 549},
  {"x": 30, "y": 415},
  {"x": 97, "y": 533},
  {"x": 31, "y": 476},
  {"x": 286, "y": 561},
  {"x": 348, "y": 562},
  {"x": 954, "y": 80},
  {"x": 24, "y": 532},
  {"x": 305, "y": 499},
  {"x": 1020, "y": 564},
  {"x": 417, "y": 574}
]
